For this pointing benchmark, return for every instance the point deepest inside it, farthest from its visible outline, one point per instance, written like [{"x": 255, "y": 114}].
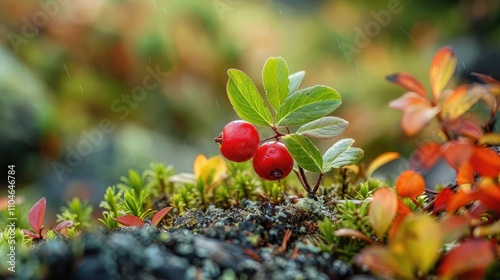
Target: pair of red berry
[{"x": 239, "y": 141}]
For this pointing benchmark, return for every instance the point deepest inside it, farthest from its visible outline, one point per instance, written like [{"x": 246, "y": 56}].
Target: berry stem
[
  {"x": 276, "y": 136},
  {"x": 300, "y": 178},
  {"x": 303, "y": 179},
  {"x": 316, "y": 187},
  {"x": 218, "y": 139}
]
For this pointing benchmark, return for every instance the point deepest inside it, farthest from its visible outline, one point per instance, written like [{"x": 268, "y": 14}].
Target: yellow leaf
[
  {"x": 213, "y": 170},
  {"x": 442, "y": 68},
  {"x": 380, "y": 161},
  {"x": 490, "y": 139},
  {"x": 199, "y": 162},
  {"x": 458, "y": 101},
  {"x": 421, "y": 239}
]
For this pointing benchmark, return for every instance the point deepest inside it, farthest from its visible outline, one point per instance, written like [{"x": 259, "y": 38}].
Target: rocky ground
[{"x": 254, "y": 241}]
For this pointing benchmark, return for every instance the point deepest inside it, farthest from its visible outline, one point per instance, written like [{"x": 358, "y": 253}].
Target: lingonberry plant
[{"x": 306, "y": 109}]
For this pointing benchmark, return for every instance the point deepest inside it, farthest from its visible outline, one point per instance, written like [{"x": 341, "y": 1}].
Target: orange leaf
[
  {"x": 402, "y": 212},
  {"x": 130, "y": 220},
  {"x": 380, "y": 161},
  {"x": 457, "y": 153},
  {"x": 475, "y": 254},
  {"x": 408, "y": 82},
  {"x": 425, "y": 157},
  {"x": 405, "y": 101},
  {"x": 383, "y": 262},
  {"x": 160, "y": 215},
  {"x": 458, "y": 101},
  {"x": 36, "y": 214},
  {"x": 465, "y": 174},
  {"x": 459, "y": 199},
  {"x": 416, "y": 117},
  {"x": 442, "y": 68},
  {"x": 347, "y": 232},
  {"x": 410, "y": 184},
  {"x": 382, "y": 210},
  {"x": 442, "y": 200},
  {"x": 485, "y": 162},
  {"x": 489, "y": 194}
]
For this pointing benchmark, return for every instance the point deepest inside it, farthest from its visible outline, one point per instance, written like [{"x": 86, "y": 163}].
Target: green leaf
[
  {"x": 304, "y": 152},
  {"x": 246, "y": 100},
  {"x": 275, "y": 79},
  {"x": 307, "y": 105},
  {"x": 324, "y": 128},
  {"x": 341, "y": 154},
  {"x": 295, "y": 80}
]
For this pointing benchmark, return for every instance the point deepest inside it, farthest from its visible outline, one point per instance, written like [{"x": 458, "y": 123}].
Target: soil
[{"x": 245, "y": 242}]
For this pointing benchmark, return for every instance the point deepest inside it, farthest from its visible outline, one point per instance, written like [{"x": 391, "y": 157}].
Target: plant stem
[
  {"x": 303, "y": 179},
  {"x": 316, "y": 187},
  {"x": 276, "y": 136}
]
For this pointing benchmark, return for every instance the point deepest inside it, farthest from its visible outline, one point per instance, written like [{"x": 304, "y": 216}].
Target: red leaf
[
  {"x": 485, "y": 162},
  {"x": 442, "y": 68},
  {"x": 471, "y": 255},
  {"x": 4, "y": 203},
  {"x": 130, "y": 220},
  {"x": 454, "y": 227},
  {"x": 425, "y": 157},
  {"x": 465, "y": 128},
  {"x": 160, "y": 215},
  {"x": 63, "y": 224},
  {"x": 410, "y": 184},
  {"x": 457, "y": 153},
  {"x": 31, "y": 234},
  {"x": 36, "y": 214},
  {"x": 408, "y": 82},
  {"x": 487, "y": 79},
  {"x": 442, "y": 200}
]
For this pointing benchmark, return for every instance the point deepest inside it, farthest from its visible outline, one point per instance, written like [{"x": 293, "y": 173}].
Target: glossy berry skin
[
  {"x": 272, "y": 161},
  {"x": 238, "y": 141}
]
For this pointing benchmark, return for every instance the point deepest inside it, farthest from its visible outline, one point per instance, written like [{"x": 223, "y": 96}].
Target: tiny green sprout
[{"x": 80, "y": 212}]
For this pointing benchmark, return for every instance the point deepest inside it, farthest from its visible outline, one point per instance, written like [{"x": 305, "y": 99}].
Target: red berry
[
  {"x": 272, "y": 161},
  {"x": 238, "y": 141}
]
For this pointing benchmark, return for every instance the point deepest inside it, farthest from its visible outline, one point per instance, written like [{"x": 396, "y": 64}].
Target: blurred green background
[{"x": 71, "y": 74}]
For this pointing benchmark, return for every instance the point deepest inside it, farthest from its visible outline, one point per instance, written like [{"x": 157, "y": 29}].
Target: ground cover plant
[{"x": 244, "y": 215}]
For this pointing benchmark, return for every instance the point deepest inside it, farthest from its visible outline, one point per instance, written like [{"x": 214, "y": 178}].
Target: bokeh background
[{"x": 69, "y": 68}]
